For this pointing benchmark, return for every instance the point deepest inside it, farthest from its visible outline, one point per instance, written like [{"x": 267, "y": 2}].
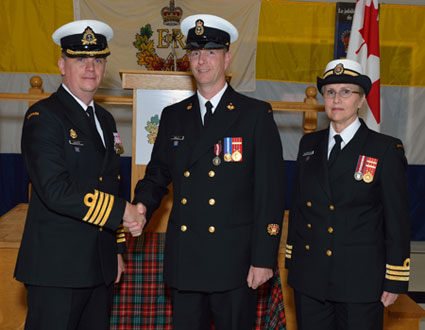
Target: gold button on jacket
[
  {"x": 183, "y": 228},
  {"x": 211, "y": 201},
  {"x": 211, "y": 229}
]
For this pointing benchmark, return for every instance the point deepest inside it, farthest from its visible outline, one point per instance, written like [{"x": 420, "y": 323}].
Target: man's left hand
[
  {"x": 258, "y": 276},
  {"x": 121, "y": 267},
  {"x": 388, "y": 298}
]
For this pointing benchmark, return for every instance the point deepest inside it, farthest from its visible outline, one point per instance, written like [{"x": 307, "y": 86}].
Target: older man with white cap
[
  {"x": 222, "y": 152},
  {"x": 348, "y": 243},
  {"x": 70, "y": 253}
]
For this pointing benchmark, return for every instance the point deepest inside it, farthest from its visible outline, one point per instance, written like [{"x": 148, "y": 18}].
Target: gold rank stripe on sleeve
[
  {"x": 120, "y": 234},
  {"x": 100, "y": 206},
  {"x": 398, "y": 273},
  {"x": 397, "y": 278},
  {"x": 288, "y": 254}
]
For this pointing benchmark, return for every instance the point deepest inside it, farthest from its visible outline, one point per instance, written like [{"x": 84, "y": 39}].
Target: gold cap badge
[
  {"x": 339, "y": 69},
  {"x": 199, "y": 29},
  {"x": 88, "y": 37}
]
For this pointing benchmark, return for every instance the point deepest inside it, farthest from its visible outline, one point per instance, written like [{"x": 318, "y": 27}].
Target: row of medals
[
  {"x": 367, "y": 177},
  {"x": 236, "y": 157}
]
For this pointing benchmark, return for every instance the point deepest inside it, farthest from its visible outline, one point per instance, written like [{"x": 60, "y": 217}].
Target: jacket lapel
[
  {"x": 348, "y": 157},
  {"x": 320, "y": 165},
  {"x": 224, "y": 117},
  {"x": 107, "y": 135},
  {"x": 76, "y": 114},
  {"x": 192, "y": 124}
]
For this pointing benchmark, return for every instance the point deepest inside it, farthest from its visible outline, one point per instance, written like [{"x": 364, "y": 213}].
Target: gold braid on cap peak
[
  {"x": 345, "y": 71},
  {"x": 88, "y": 52}
]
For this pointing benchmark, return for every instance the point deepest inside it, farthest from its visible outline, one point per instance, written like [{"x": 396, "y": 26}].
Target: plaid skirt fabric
[{"x": 142, "y": 300}]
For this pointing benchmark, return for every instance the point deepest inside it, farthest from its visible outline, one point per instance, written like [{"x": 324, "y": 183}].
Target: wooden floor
[{"x": 405, "y": 314}]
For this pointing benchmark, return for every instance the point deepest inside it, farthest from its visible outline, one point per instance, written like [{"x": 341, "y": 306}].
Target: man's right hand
[{"x": 134, "y": 218}]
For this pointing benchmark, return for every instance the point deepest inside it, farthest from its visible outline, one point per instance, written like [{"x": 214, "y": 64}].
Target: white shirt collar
[
  {"x": 81, "y": 103},
  {"x": 347, "y": 134},
  {"x": 84, "y": 106},
  {"x": 215, "y": 100}
]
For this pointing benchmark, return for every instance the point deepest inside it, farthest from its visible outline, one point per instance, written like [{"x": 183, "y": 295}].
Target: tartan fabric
[{"x": 142, "y": 300}]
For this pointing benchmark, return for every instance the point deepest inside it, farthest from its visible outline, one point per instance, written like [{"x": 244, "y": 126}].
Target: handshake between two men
[{"x": 134, "y": 218}]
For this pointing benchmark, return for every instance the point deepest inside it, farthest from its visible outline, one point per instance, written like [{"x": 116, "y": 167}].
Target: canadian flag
[{"x": 363, "y": 47}]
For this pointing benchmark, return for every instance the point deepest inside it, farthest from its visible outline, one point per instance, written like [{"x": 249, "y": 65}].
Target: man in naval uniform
[
  {"x": 348, "y": 243},
  {"x": 70, "y": 253},
  {"x": 222, "y": 153}
]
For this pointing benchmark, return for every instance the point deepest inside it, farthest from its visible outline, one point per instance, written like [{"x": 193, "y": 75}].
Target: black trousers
[
  {"x": 229, "y": 310},
  {"x": 51, "y": 308},
  {"x": 313, "y": 314}
]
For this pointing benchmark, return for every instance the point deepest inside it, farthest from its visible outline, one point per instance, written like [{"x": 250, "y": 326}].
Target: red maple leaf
[{"x": 370, "y": 30}]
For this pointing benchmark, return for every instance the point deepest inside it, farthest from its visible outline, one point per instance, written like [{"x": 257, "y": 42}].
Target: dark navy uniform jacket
[
  {"x": 349, "y": 239},
  {"x": 73, "y": 229},
  {"x": 226, "y": 217}
]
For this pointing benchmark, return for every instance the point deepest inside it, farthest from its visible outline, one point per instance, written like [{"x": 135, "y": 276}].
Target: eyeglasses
[{"x": 343, "y": 93}]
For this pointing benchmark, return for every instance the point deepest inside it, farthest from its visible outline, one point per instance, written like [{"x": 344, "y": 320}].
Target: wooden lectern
[{"x": 152, "y": 80}]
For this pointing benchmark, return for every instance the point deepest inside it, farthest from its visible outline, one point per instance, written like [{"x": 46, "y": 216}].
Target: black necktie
[
  {"x": 335, "y": 150},
  {"x": 90, "y": 114},
  {"x": 208, "y": 114}
]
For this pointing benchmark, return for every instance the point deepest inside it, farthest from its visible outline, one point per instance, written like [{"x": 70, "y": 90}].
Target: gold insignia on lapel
[
  {"x": 189, "y": 107},
  {"x": 269, "y": 111},
  {"x": 399, "y": 146},
  {"x": 33, "y": 114},
  {"x": 273, "y": 229},
  {"x": 73, "y": 134},
  {"x": 88, "y": 37},
  {"x": 230, "y": 106}
]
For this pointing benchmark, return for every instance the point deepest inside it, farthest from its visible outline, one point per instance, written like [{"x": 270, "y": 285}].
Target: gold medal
[
  {"x": 119, "y": 149},
  {"x": 368, "y": 177},
  {"x": 237, "y": 156},
  {"x": 227, "y": 157}
]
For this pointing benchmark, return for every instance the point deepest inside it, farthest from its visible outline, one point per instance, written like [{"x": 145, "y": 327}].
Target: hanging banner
[
  {"x": 147, "y": 34},
  {"x": 343, "y": 21}
]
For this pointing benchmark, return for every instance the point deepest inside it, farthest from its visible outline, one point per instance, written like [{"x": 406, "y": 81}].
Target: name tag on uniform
[
  {"x": 76, "y": 143},
  {"x": 176, "y": 139},
  {"x": 308, "y": 153}
]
